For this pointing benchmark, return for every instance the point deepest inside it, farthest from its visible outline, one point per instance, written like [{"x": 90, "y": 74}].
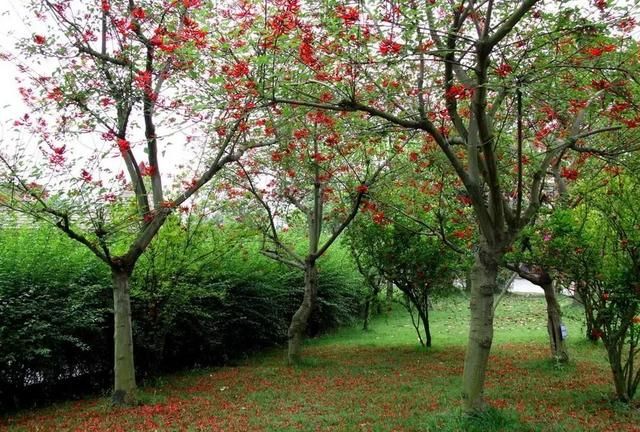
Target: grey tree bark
[
  {"x": 123, "y": 365},
  {"x": 557, "y": 343},
  {"x": 483, "y": 285},
  {"x": 300, "y": 319}
]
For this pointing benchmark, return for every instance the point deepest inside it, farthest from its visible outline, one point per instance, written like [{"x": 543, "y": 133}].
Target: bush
[{"x": 199, "y": 297}]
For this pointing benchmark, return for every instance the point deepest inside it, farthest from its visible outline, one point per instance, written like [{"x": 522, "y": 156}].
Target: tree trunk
[
  {"x": 558, "y": 346},
  {"x": 365, "y": 323},
  {"x": 301, "y": 317},
  {"x": 483, "y": 285},
  {"x": 427, "y": 327},
  {"x": 619, "y": 380},
  {"x": 123, "y": 366}
]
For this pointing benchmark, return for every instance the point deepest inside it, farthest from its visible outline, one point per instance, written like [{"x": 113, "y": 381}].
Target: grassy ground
[{"x": 377, "y": 381}]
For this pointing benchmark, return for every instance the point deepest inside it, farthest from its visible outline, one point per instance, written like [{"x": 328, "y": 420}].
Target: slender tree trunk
[
  {"x": 426, "y": 326},
  {"x": 483, "y": 285},
  {"x": 367, "y": 305},
  {"x": 554, "y": 321},
  {"x": 301, "y": 317},
  {"x": 123, "y": 366}
]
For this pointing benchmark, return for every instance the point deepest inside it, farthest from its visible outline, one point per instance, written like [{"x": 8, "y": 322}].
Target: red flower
[
  {"x": 362, "y": 189},
  {"x": 301, "y": 133},
  {"x": 86, "y": 176},
  {"x": 239, "y": 70},
  {"x": 123, "y": 145},
  {"x": 597, "y": 51},
  {"x": 504, "y": 69},
  {"x": 600, "y": 4},
  {"x": 138, "y": 13},
  {"x": 605, "y": 296},
  {"x": 39, "y": 39},
  {"x": 146, "y": 170},
  {"x": 464, "y": 199},
  {"x": 627, "y": 24},
  {"x": 413, "y": 157},
  {"x": 348, "y": 14},
  {"x": 389, "y": 46},
  {"x": 56, "y": 94},
  {"x": 569, "y": 173},
  {"x": 458, "y": 91},
  {"x": 192, "y": 3},
  {"x": 283, "y": 23},
  {"x": 306, "y": 54},
  {"x": 143, "y": 79},
  {"x": 378, "y": 218},
  {"x": 105, "y": 6},
  {"x": 600, "y": 84}
]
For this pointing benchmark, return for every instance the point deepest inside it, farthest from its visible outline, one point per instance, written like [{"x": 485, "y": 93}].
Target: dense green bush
[
  {"x": 202, "y": 295},
  {"x": 54, "y": 317}
]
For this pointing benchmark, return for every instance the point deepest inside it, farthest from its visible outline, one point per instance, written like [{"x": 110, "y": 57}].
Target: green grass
[{"x": 379, "y": 380}]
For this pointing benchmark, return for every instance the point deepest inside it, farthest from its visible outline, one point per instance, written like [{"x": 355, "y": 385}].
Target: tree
[
  {"x": 418, "y": 263},
  {"x": 595, "y": 247},
  {"x": 451, "y": 73},
  {"x": 317, "y": 179},
  {"x": 133, "y": 77}
]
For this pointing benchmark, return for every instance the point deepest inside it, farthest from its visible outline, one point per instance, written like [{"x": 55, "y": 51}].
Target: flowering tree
[
  {"x": 594, "y": 247},
  {"x": 138, "y": 83},
  {"x": 454, "y": 73},
  {"x": 319, "y": 179}
]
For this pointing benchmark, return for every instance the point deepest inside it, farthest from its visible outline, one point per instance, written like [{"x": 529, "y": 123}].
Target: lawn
[{"x": 378, "y": 380}]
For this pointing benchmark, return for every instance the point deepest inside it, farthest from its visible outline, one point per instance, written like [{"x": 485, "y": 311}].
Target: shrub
[{"x": 199, "y": 297}]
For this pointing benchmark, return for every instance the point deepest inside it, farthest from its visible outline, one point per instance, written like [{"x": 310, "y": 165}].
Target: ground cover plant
[{"x": 379, "y": 380}]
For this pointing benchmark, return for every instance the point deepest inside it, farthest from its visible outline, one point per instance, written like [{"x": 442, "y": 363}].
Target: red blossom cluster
[
  {"x": 459, "y": 92},
  {"x": 348, "y": 14},
  {"x": 362, "y": 189},
  {"x": 286, "y": 20},
  {"x": 569, "y": 173},
  {"x": 504, "y": 70},
  {"x": 598, "y": 50},
  {"x": 600, "y": 4},
  {"x": 85, "y": 175},
  {"x": 389, "y": 47}
]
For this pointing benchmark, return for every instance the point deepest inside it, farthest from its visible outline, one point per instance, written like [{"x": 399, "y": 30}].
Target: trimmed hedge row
[{"x": 203, "y": 301}]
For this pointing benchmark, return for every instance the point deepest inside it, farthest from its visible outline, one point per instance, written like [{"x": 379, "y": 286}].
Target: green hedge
[{"x": 196, "y": 302}]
